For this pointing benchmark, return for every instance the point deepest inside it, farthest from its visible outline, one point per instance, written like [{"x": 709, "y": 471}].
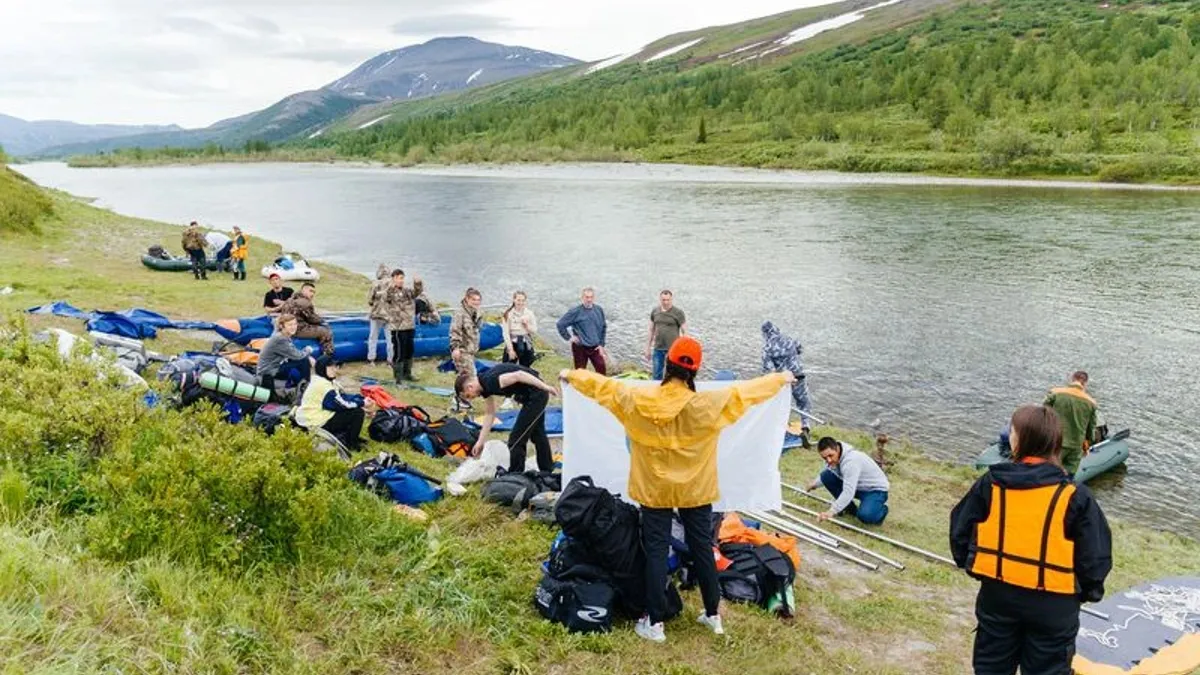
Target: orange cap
[{"x": 686, "y": 353}]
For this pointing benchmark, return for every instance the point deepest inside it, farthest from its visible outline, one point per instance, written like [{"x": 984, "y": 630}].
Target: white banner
[{"x": 594, "y": 444}]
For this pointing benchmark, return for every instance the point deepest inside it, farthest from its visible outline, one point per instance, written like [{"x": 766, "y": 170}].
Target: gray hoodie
[{"x": 859, "y": 473}]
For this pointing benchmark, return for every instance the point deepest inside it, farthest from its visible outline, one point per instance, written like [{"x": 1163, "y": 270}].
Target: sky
[{"x": 193, "y": 63}]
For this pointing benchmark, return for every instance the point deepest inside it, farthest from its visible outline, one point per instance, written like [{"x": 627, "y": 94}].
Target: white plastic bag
[{"x": 474, "y": 470}]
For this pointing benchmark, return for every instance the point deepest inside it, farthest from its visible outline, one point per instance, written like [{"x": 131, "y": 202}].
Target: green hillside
[{"x": 1012, "y": 87}]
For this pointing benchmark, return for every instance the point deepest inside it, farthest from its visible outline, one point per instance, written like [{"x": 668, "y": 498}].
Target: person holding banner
[{"x": 673, "y": 432}]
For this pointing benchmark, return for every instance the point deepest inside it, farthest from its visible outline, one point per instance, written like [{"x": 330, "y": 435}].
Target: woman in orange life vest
[{"x": 1039, "y": 545}]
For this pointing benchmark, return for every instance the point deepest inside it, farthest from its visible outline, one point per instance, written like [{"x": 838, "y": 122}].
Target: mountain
[
  {"x": 440, "y": 66},
  {"x": 21, "y": 137},
  {"x": 998, "y": 87}
]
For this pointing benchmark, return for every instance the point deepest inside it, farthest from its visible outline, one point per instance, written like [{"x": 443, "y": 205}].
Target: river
[{"x": 930, "y": 308}]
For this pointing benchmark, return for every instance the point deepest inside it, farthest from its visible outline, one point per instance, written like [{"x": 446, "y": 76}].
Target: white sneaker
[
  {"x": 650, "y": 631},
  {"x": 713, "y": 623}
]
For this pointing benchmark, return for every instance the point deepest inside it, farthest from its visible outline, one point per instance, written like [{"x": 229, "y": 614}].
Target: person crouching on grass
[
  {"x": 521, "y": 384},
  {"x": 673, "y": 432},
  {"x": 1039, "y": 545}
]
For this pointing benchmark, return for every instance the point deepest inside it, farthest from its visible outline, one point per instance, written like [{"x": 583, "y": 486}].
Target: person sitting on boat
[
  {"x": 221, "y": 245},
  {"x": 782, "y": 353},
  {"x": 523, "y": 385},
  {"x": 427, "y": 312},
  {"x": 1076, "y": 411},
  {"x": 327, "y": 406},
  {"x": 851, "y": 474},
  {"x": 279, "y": 294},
  {"x": 281, "y": 359},
  {"x": 312, "y": 326},
  {"x": 1039, "y": 544},
  {"x": 239, "y": 253},
  {"x": 673, "y": 432}
]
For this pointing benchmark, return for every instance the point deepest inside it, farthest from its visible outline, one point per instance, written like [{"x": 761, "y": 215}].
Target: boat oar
[
  {"x": 881, "y": 558},
  {"x": 880, "y": 537}
]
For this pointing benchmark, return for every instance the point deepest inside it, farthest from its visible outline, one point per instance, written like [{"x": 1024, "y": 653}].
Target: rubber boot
[
  {"x": 398, "y": 372},
  {"x": 408, "y": 374}
]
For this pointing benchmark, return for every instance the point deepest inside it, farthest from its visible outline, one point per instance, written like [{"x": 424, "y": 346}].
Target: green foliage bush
[
  {"x": 22, "y": 204},
  {"x": 181, "y": 484}
]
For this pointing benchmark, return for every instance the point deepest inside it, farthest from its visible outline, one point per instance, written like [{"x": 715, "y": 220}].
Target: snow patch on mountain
[
  {"x": 375, "y": 121},
  {"x": 474, "y": 75},
  {"x": 675, "y": 50}
]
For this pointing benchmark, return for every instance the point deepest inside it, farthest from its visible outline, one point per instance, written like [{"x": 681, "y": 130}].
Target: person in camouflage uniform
[
  {"x": 464, "y": 332},
  {"x": 312, "y": 326},
  {"x": 193, "y": 245},
  {"x": 401, "y": 304},
  {"x": 378, "y": 315},
  {"x": 1076, "y": 411}
]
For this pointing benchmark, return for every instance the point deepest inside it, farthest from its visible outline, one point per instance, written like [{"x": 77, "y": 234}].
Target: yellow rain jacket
[{"x": 673, "y": 432}]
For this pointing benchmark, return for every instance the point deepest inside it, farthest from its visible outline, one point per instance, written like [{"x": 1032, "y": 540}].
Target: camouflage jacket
[
  {"x": 302, "y": 308},
  {"x": 402, "y": 306},
  {"x": 464, "y": 329},
  {"x": 193, "y": 240},
  {"x": 377, "y": 299}
]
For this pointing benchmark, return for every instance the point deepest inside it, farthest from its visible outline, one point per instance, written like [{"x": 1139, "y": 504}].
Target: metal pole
[
  {"x": 1098, "y": 615},
  {"x": 810, "y": 416},
  {"x": 841, "y": 540},
  {"x": 810, "y": 495},
  {"x": 770, "y": 522},
  {"x": 825, "y": 537},
  {"x": 880, "y": 537}
]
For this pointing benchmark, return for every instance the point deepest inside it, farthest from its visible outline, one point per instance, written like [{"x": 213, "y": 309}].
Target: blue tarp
[
  {"x": 135, "y": 323},
  {"x": 554, "y": 423},
  {"x": 481, "y": 366}
]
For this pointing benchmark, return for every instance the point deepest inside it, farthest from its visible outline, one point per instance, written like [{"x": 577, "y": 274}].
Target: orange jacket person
[
  {"x": 1040, "y": 546},
  {"x": 673, "y": 432}
]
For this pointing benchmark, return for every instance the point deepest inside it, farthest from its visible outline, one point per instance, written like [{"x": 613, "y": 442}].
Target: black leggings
[
  {"x": 523, "y": 347},
  {"x": 656, "y": 541},
  {"x": 347, "y": 426},
  {"x": 531, "y": 425},
  {"x": 402, "y": 344}
]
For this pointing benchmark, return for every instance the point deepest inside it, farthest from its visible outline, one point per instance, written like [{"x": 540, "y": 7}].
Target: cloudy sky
[{"x": 193, "y": 62}]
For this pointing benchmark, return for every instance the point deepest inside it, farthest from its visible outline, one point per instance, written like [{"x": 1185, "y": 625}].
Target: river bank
[{"x": 452, "y": 595}]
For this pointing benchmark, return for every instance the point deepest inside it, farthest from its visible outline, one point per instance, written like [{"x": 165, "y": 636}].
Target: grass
[{"x": 450, "y": 595}]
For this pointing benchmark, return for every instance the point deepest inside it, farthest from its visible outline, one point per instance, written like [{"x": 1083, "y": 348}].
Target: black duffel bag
[
  {"x": 516, "y": 489},
  {"x": 582, "y": 605},
  {"x": 392, "y": 426},
  {"x": 608, "y": 527}
]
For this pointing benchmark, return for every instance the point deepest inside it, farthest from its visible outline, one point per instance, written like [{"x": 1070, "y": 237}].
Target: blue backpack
[{"x": 389, "y": 477}]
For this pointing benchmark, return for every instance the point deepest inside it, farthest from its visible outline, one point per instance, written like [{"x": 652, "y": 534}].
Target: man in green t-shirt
[
  {"x": 667, "y": 323},
  {"x": 1076, "y": 411}
]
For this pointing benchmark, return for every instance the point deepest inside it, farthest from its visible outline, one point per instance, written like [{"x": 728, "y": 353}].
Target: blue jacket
[{"x": 589, "y": 325}]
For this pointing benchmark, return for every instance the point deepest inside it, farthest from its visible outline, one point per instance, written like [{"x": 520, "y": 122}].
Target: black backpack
[
  {"x": 582, "y": 605},
  {"x": 392, "y": 425},
  {"x": 269, "y": 416},
  {"x": 450, "y": 436},
  {"x": 516, "y": 489},
  {"x": 608, "y": 527},
  {"x": 755, "y": 573}
]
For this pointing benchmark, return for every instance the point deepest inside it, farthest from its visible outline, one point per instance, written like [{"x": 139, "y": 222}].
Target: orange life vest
[
  {"x": 240, "y": 249},
  {"x": 1023, "y": 543}
]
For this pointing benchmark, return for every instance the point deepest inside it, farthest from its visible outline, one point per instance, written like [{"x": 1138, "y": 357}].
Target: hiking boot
[
  {"x": 650, "y": 631},
  {"x": 713, "y": 623}
]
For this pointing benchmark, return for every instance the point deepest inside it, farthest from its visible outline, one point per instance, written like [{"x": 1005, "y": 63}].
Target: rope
[{"x": 1171, "y": 606}]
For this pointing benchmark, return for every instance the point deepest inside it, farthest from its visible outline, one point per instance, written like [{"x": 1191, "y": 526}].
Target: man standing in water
[
  {"x": 667, "y": 323},
  {"x": 586, "y": 328},
  {"x": 781, "y": 353},
  {"x": 1076, "y": 411}
]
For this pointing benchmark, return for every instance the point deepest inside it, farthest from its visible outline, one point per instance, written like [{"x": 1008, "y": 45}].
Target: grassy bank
[{"x": 164, "y": 541}]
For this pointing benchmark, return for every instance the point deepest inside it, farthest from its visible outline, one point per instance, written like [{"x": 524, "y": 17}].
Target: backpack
[
  {"x": 516, "y": 489},
  {"x": 391, "y": 425},
  {"x": 755, "y": 573},
  {"x": 389, "y": 477},
  {"x": 607, "y": 526},
  {"x": 269, "y": 416},
  {"x": 582, "y": 606},
  {"x": 451, "y": 437}
]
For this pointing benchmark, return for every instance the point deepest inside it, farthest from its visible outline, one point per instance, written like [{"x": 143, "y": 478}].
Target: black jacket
[{"x": 1084, "y": 524}]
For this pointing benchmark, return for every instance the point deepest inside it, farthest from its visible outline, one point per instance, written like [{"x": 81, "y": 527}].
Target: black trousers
[
  {"x": 347, "y": 426},
  {"x": 198, "y": 263},
  {"x": 1021, "y": 627},
  {"x": 656, "y": 540},
  {"x": 531, "y": 426},
  {"x": 402, "y": 344},
  {"x": 523, "y": 347}
]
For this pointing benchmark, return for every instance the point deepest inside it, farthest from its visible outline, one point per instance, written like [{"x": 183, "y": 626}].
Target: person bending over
[
  {"x": 850, "y": 475},
  {"x": 1039, "y": 545},
  {"x": 673, "y": 432},
  {"x": 521, "y": 384},
  {"x": 327, "y": 406}
]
